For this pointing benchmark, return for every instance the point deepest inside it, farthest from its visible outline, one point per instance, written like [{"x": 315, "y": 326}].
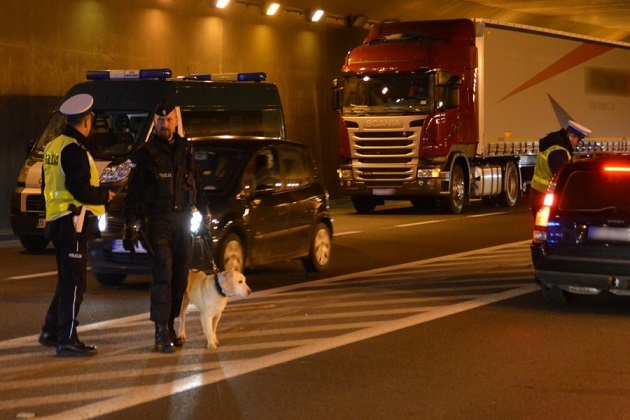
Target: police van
[{"x": 219, "y": 105}]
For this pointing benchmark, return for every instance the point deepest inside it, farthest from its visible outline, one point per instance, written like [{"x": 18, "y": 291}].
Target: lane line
[{"x": 141, "y": 395}]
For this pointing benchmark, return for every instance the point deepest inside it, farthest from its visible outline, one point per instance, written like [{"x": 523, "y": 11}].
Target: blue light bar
[
  {"x": 231, "y": 77},
  {"x": 128, "y": 74}
]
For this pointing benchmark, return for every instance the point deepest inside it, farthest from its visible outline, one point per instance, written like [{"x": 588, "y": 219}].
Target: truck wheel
[
  {"x": 34, "y": 243},
  {"x": 364, "y": 204},
  {"x": 232, "y": 253},
  {"x": 454, "y": 203},
  {"x": 319, "y": 255},
  {"x": 509, "y": 196},
  {"x": 108, "y": 279}
]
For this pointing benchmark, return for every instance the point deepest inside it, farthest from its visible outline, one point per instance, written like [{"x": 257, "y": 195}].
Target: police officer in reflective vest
[
  {"x": 163, "y": 188},
  {"x": 73, "y": 200},
  {"x": 555, "y": 150}
]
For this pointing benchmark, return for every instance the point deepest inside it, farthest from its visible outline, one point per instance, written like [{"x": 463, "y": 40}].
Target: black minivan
[
  {"x": 266, "y": 206},
  {"x": 581, "y": 240}
]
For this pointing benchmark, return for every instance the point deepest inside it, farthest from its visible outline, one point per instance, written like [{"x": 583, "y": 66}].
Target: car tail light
[
  {"x": 616, "y": 169},
  {"x": 542, "y": 219}
]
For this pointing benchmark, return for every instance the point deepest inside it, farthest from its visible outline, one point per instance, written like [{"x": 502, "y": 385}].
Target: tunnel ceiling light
[
  {"x": 272, "y": 8},
  {"x": 221, "y": 4},
  {"x": 316, "y": 15}
]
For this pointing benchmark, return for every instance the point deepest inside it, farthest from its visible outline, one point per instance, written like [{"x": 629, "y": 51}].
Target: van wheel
[
  {"x": 232, "y": 253},
  {"x": 34, "y": 243},
  {"x": 319, "y": 255},
  {"x": 108, "y": 279},
  {"x": 364, "y": 205},
  {"x": 454, "y": 203},
  {"x": 509, "y": 197}
]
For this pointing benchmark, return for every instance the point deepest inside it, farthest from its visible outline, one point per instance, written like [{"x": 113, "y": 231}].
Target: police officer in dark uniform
[
  {"x": 73, "y": 200},
  {"x": 554, "y": 151},
  {"x": 164, "y": 188}
]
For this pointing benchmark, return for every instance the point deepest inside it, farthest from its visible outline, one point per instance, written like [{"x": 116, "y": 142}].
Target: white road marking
[{"x": 299, "y": 323}]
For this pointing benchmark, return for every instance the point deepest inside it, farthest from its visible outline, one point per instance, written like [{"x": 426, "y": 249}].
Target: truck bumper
[{"x": 426, "y": 187}]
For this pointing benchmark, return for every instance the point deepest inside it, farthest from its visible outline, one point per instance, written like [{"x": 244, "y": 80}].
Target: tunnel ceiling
[{"x": 600, "y": 19}]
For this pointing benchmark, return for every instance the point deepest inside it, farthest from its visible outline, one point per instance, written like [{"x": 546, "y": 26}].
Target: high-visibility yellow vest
[
  {"x": 57, "y": 197},
  {"x": 542, "y": 171}
]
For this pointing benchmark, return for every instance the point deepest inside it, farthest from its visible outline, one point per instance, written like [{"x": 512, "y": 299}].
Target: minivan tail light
[
  {"x": 542, "y": 221},
  {"x": 616, "y": 169}
]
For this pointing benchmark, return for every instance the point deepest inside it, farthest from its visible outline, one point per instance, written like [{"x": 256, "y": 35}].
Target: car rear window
[{"x": 596, "y": 190}]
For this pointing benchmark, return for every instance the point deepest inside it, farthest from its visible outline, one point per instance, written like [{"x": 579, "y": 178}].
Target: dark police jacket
[{"x": 166, "y": 178}]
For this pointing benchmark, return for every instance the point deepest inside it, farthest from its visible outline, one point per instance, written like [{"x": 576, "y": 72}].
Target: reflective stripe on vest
[
  {"x": 542, "y": 171},
  {"x": 57, "y": 197}
]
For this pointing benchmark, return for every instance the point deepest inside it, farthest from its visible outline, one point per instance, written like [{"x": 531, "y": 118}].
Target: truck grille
[{"x": 384, "y": 157}]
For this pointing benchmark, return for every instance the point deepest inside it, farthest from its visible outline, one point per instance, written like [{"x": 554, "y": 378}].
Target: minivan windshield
[{"x": 114, "y": 134}]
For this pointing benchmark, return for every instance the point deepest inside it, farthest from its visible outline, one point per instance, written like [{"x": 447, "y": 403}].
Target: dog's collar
[{"x": 217, "y": 284}]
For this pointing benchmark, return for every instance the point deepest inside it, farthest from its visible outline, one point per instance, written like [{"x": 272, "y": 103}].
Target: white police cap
[
  {"x": 578, "y": 129},
  {"x": 77, "y": 106}
]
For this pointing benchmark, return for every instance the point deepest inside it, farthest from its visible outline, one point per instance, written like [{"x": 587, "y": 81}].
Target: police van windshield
[
  {"x": 114, "y": 134},
  {"x": 388, "y": 93}
]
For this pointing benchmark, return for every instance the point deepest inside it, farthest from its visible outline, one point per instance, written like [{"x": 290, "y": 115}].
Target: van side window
[{"x": 297, "y": 167}]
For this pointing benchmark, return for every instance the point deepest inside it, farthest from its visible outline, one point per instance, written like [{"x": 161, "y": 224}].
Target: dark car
[
  {"x": 581, "y": 242},
  {"x": 266, "y": 206}
]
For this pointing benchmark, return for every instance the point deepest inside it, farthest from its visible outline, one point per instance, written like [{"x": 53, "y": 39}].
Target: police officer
[
  {"x": 163, "y": 188},
  {"x": 73, "y": 200},
  {"x": 554, "y": 151}
]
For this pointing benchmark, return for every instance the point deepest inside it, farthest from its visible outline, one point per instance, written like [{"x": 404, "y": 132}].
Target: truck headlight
[
  {"x": 344, "y": 173},
  {"x": 429, "y": 173}
]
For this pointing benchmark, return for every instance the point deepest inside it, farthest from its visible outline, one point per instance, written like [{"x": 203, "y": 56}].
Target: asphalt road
[{"x": 421, "y": 315}]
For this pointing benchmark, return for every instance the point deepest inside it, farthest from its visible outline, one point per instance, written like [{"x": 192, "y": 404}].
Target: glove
[{"x": 130, "y": 238}]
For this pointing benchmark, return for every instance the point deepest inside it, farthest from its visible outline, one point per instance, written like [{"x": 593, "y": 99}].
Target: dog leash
[{"x": 215, "y": 269}]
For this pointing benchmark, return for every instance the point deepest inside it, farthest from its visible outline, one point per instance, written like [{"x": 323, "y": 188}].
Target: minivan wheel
[
  {"x": 34, "y": 243},
  {"x": 555, "y": 296},
  {"x": 319, "y": 255},
  {"x": 232, "y": 254},
  {"x": 108, "y": 279}
]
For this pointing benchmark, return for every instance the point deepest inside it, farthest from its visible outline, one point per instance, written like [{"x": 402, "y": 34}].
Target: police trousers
[
  {"x": 170, "y": 243},
  {"x": 71, "y": 253}
]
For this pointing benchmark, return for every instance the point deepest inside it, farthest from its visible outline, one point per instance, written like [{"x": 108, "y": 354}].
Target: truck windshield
[
  {"x": 388, "y": 93},
  {"x": 114, "y": 134}
]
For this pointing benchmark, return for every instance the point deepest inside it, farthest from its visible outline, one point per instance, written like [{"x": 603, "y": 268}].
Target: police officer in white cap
[
  {"x": 555, "y": 150},
  {"x": 73, "y": 200}
]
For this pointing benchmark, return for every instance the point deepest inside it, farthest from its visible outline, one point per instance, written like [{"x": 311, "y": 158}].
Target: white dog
[{"x": 210, "y": 296}]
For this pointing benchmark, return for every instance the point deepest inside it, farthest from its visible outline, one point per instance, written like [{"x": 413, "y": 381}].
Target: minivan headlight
[{"x": 116, "y": 173}]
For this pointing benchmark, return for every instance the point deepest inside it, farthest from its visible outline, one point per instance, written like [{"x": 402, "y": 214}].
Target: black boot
[
  {"x": 177, "y": 341},
  {"x": 163, "y": 342}
]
